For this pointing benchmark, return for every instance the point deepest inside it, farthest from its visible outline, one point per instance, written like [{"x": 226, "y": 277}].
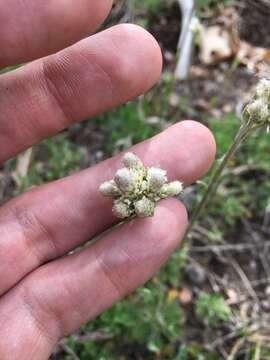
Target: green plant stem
[{"x": 240, "y": 137}]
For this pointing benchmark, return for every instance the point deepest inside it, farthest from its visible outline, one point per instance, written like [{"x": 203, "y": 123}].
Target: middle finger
[{"x": 51, "y": 220}]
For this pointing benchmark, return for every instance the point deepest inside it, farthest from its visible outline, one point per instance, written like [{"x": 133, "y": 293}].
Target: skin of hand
[{"x": 46, "y": 294}]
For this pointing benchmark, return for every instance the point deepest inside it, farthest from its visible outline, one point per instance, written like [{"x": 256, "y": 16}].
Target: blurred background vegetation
[{"x": 211, "y": 300}]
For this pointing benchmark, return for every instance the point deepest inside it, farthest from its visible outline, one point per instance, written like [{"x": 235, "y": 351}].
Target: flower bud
[
  {"x": 109, "y": 188},
  {"x": 172, "y": 189},
  {"x": 124, "y": 180},
  {"x": 258, "y": 110},
  {"x": 121, "y": 209},
  {"x": 131, "y": 161},
  {"x": 144, "y": 207},
  {"x": 263, "y": 90},
  {"x": 156, "y": 178}
]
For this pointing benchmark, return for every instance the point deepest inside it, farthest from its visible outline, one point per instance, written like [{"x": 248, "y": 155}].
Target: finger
[
  {"x": 37, "y": 28},
  {"x": 64, "y": 294},
  {"x": 90, "y": 77},
  {"x": 51, "y": 220}
]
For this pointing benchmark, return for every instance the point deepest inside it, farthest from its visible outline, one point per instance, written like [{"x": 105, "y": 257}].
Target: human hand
[{"x": 44, "y": 294}]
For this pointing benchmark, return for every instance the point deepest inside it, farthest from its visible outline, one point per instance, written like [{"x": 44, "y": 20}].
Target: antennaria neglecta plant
[{"x": 256, "y": 115}]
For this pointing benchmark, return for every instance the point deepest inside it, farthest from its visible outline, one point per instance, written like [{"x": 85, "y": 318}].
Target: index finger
[
  {"x": 88, "y": 78},
  {"x": 35, "y": 28}
]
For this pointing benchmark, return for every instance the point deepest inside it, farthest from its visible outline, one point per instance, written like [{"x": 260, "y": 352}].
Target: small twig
[
  {"x": 94, "y": 336},
  {"x": 245, "y": 280},
  {"x": 227, "y": 247},
  {"x": 62, "y": 344},
  {"x": 224, "y": 339},
  {"x": 253, "y": 234},
  {"x": 265, "y": 281},
  {"x": 237, "y": 346},
  {"x": 239, "y": 170},
  {"x": 223, "y": 353}
]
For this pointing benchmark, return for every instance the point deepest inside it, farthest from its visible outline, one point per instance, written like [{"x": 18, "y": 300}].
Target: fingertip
[
  {"x": 197, "y": 154},
  {"x": 203, "y": 135},
  {"x": 148, "y": 44},
  {"x": 142, "y": 68}
]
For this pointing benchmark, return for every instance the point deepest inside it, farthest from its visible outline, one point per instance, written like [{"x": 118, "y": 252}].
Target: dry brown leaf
[
  {"x": 216, "y": 45},
  {"x": 254, "y": 58},
  {"x": 219, "y": 43}
]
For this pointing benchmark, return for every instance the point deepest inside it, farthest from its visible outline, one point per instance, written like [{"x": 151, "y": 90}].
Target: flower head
[
  {"x": 124, "y": 179},
  {"x": 136, "y": 189},
  {"x": 131, "y": 161},
  {"x": 172, "y": 189},
  {"x": 263, "y": 90},
  {"x": 109, "y": 188},
  {"x": 156, "y": 178},
  {"x": 257, "y": 112},
  {"x": 144, "y": 207},
  {"x": 121, "y": 209}
]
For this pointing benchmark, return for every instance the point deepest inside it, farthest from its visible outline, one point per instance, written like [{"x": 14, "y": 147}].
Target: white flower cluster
[
  {"x": 136, "y": 189},
  {"x": 258, "y": 110}
]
